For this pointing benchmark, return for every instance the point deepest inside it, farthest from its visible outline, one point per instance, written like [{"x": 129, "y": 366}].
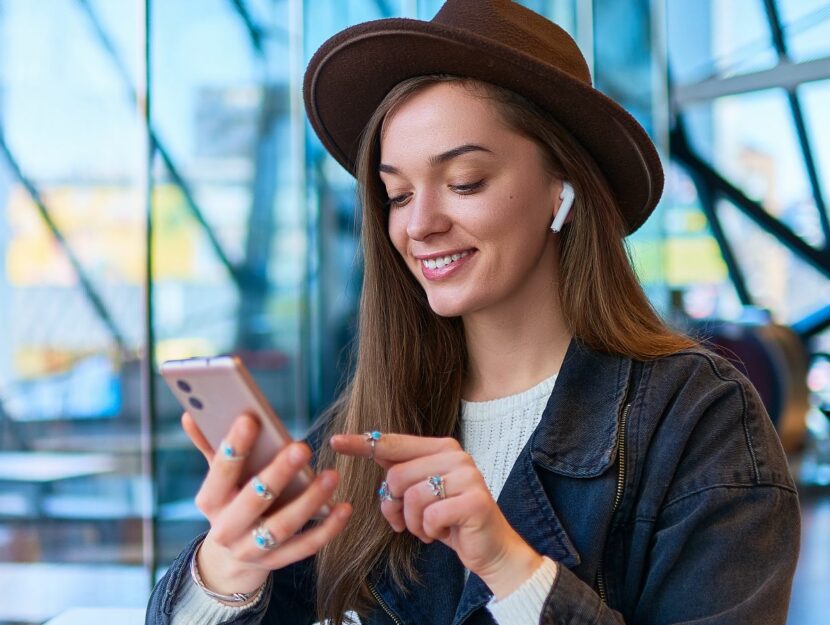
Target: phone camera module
[
  {"x": 183, "y": 386},
  {"x": 196, "y": 403}
]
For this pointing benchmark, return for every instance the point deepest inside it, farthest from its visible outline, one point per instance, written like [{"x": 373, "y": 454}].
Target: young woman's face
[{"x": 462, "y": 185}]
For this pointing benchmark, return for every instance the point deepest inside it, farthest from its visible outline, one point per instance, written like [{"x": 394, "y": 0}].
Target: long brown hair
[{"x": 411, "y": 363}]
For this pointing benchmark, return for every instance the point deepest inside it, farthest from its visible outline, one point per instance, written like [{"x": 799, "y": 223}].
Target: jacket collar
[{"x": 576, "y": 437}]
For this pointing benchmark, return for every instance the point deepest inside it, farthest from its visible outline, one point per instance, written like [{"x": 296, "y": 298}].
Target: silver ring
[
  {"x": 229, "y": 453},
  {"x": 436, "y": 483},
  {"x": 385, "y": 494},
  {"x": 263, "y": 539},
  {"x": 372, "y": 438},
  {"x": 261, "y": 489}
]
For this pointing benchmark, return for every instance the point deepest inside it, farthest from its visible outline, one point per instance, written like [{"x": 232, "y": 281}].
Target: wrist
[
  {"x": 512, "y": 569},
  {"x": 220, "y": 574}
]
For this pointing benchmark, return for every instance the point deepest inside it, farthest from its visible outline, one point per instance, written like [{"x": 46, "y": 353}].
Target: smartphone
[{"x": 215, "y": 391}]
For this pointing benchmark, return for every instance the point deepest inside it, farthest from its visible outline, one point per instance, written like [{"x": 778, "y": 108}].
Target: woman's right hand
[{"x": 229, "y": 561}]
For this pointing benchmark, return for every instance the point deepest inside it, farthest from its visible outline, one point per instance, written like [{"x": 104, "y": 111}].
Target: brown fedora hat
[{"x": 497, "y": 41}]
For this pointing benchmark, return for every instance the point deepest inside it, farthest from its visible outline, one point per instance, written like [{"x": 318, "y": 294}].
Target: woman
[{"x": 548, "y": 451}]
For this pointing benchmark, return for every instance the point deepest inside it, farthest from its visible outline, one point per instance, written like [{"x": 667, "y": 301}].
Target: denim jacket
[{"x": 660, "y": 487}]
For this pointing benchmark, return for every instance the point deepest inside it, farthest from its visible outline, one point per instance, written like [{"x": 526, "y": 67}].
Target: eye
[
  {"x": 395, "y": 201},
  {"x": 468, "y": 189}
]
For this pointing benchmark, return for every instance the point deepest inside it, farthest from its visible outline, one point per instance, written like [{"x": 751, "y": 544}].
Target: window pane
[
  {"x": 775, "y": 277},
  {"x": 72, "y": 215},
  {"x": 717, "y": 38},
  {"x": 750, "y": 139},
  {"x": 806, "y": 25},
  {"x": 815, "y": 100}
]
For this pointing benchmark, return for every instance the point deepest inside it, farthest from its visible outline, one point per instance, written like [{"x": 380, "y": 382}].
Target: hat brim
[{"x": 352, "y": 72}]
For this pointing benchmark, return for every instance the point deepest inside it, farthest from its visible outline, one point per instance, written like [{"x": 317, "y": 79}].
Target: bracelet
[{"x": 237, "y": 597}]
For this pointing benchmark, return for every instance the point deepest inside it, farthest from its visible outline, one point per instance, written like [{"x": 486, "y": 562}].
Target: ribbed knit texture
[
  {"x": 194, "y": 606},
  {"x": 493, "y": 432},
  {"x": 524, "y": 605}
]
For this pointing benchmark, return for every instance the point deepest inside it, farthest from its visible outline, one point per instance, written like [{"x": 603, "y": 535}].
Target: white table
[
  {"x": 36, "y": 591},
  {"x": 85, "y": 616},
  {"x": 45, "y": 467}
]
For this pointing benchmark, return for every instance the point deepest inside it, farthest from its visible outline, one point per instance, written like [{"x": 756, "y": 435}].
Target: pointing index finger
[{"x": 392, "y": 447}]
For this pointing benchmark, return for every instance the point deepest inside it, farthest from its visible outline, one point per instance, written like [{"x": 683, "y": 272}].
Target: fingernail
[
  {"x": 329, "y": 480},
  {"x": 343, "y": 513}
]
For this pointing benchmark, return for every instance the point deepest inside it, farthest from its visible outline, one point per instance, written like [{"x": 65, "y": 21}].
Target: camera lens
[
  {"x": 183, "y": 385},
  {"x": 196, "y": 403}
]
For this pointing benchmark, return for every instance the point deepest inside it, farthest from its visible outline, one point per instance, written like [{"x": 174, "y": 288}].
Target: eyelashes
[{"x": 461, "y": 189}]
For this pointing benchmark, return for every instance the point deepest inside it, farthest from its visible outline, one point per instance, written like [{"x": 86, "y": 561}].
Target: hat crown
[{"x": 510, "y": 24}]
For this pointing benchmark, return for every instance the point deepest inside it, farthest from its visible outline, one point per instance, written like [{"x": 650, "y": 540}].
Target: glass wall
[{"x": 72, "y": 244}]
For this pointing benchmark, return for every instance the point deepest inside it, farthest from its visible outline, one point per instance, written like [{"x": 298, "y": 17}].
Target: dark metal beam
[
  {"x": 813, "y": 324},
  {"x": 254, "y": 31},
  {"x": 155, "y": 143},
  {"x": 818, "y": 259},
  {"x": 87, "y": 287},
  {"x": 733, "y": 267},
  {"x": 780, "y": 44}
]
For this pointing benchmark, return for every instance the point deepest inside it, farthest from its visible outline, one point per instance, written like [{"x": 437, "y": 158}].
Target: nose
[{"x": 427, "y": 215}]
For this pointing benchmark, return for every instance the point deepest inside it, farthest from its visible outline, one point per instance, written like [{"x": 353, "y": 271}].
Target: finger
[
  {"x": 197, "y": 438},
  {"x": 239, "y": 516},
  {"x": 287, "y": 521},
  {"x": 392, "y": 447},
  {"x": 403, "y": 475},
  {"x": 441, "y": 515},
  {"x": 392, "y": 510},
  {"x": 312, "y": 540},
  {"x": 221, "y": 483},
  {"x": 421, "y": 496}
]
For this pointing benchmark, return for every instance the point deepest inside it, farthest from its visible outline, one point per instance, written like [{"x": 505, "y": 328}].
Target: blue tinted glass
[
  {"x": 72, "y": 281},
  {"x": 767, "y": 166},
  {"x": 815, "y": 99},
  {"x": 777, "y": 279},
  {"x": 806, "y": 25},
  {"x": 708, "y": 39}
]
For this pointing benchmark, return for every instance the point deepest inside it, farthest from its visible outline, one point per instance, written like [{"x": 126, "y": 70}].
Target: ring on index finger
[
  {"x": 372, "y": 438},
  {"x": 230, "y": 454}
]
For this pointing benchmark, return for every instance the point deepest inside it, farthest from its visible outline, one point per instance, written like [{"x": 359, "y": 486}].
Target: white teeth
[{"x": 438, "y": 263}]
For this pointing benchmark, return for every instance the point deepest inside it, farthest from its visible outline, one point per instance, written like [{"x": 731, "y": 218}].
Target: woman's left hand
[{"x": 467, "y": 519}]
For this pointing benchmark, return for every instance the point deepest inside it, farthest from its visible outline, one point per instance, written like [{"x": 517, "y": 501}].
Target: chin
[{"x": 448, "y": 306}]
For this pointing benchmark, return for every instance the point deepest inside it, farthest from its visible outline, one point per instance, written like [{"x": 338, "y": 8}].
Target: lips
[{"x": 446, "y": 271}]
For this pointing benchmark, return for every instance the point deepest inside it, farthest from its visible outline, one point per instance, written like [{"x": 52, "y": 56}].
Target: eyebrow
[{"x": 439, "y": 159}]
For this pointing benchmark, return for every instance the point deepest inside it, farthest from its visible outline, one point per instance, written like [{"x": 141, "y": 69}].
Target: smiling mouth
[{"x": 441, "y": 262}]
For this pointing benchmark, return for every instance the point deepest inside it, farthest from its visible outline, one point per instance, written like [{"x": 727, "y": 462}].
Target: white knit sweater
[{"x": 493, "y": 433}]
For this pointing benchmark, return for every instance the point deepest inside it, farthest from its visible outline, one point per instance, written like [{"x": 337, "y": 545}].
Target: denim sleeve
[
  {"x": 722, "y": 556},
  {"x": 725, "y": 554},
  {"x": 287, "y": 596}
]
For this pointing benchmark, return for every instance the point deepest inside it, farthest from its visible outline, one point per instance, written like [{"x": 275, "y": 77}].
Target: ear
[{"x": 563, "y": 214}]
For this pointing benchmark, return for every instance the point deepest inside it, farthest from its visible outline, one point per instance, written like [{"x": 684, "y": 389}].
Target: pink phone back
[{"x": 215, "y": 391}]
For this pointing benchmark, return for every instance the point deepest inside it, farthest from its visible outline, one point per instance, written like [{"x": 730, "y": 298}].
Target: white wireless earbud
[{"x": 567, "y": 197}]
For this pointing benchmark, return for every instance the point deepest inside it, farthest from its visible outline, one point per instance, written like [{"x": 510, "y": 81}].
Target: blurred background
[{"x": 162, "y": 196}]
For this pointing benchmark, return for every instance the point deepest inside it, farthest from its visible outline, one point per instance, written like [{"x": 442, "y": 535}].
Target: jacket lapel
[
  {"x": 527, "y": 508},
  {"x": 577, "y": 437}
]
